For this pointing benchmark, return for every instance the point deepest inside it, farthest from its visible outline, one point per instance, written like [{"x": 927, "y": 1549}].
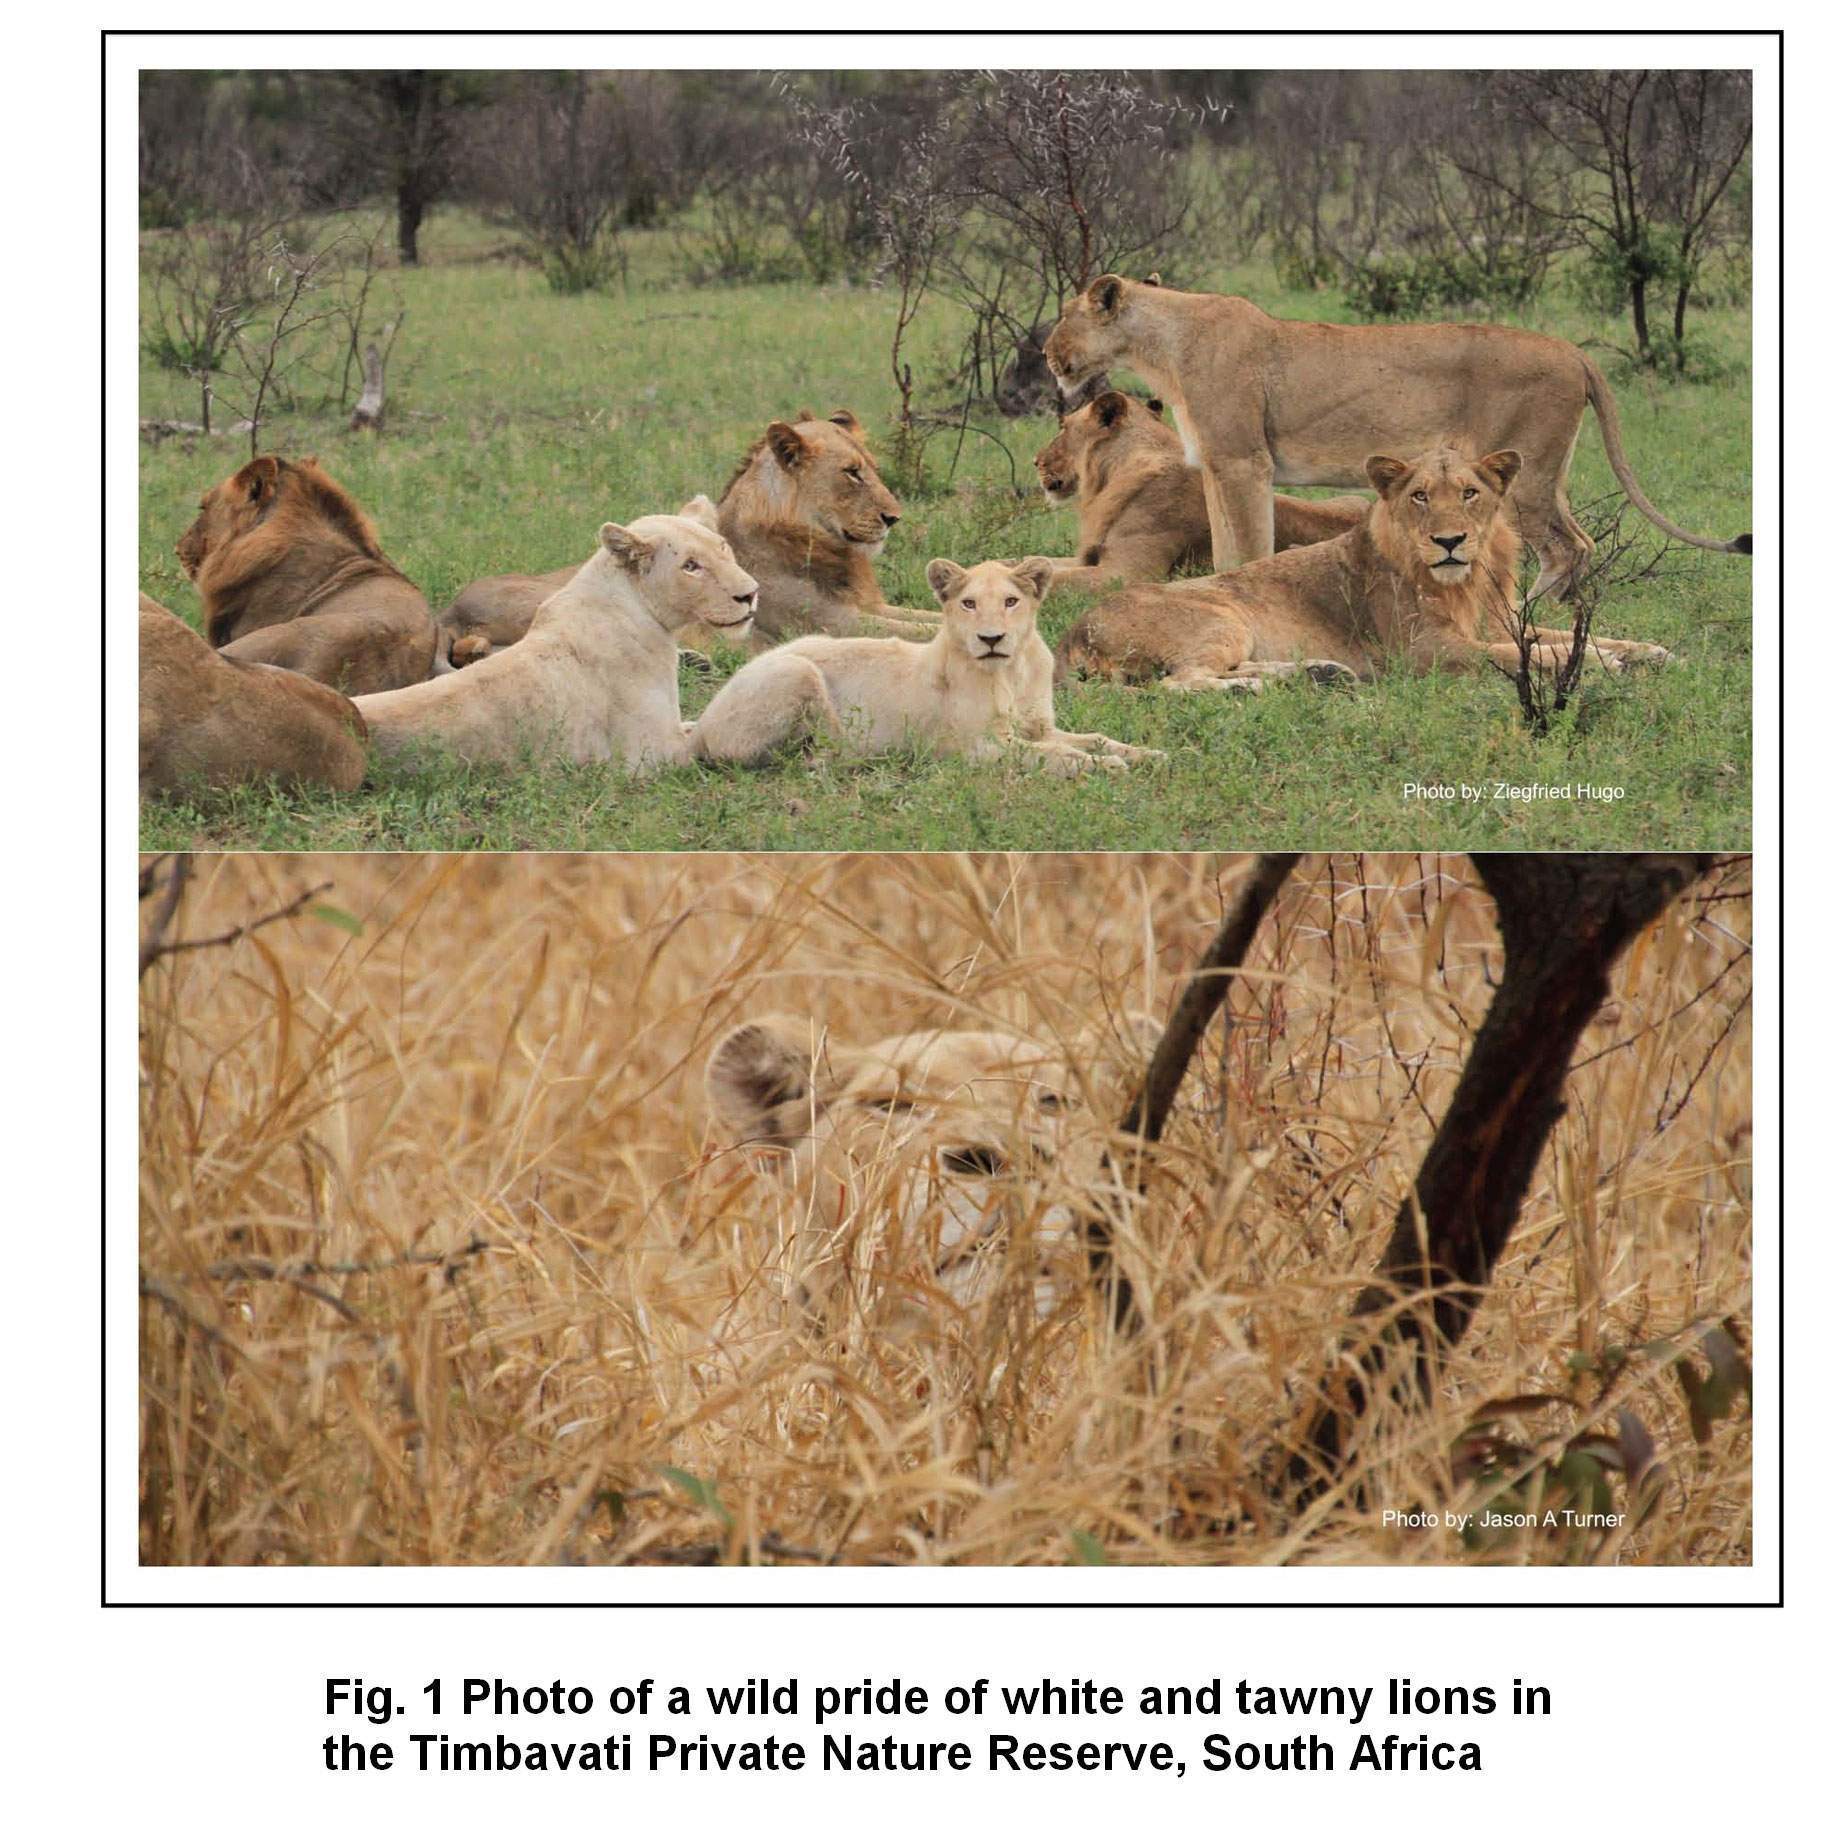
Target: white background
[{"x": 185, "y": 1714}]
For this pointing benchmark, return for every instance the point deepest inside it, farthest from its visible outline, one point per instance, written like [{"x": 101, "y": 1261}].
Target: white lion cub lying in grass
[
  {"x": 982, "y": 685},
  {"x": 597, "y": 674}
]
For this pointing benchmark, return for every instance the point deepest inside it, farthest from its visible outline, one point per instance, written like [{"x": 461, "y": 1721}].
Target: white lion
[
  {"x": 984, "y": 684},
  {"x": 596, "y": 679}
]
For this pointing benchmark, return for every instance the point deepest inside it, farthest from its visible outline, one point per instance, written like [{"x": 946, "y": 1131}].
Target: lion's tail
[{"x": 1609, "y": 420}]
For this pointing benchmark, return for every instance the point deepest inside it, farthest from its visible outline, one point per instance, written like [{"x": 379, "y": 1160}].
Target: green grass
[{"x": 520, "y": 420}]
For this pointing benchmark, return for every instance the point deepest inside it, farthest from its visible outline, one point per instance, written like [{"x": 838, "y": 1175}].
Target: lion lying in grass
[
  {"x": 1429, "y": 575},
  {"x": 597, "y": 676},
  {"x": 1262, "y": 400},
  {"x": 1139, "y": 504},
  {"x": 208, "y": 720},
  {"x": 806, "y": 513},
  {"x": 926, "y": 1173},
  {"x": 980, "y": 687},
  {"x": 290, "y": 572}
]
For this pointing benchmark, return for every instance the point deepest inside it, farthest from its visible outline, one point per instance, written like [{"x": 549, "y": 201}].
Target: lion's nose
[
  {"x": 890, "y": 521},
  {"x": 1449, "y": 542},
  {"x": 747, "y": 598},
  {"x": 992, "y": 641}
]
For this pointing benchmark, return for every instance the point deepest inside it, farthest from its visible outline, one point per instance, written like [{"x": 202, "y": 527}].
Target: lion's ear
[
  {"x": 1106, "y": 293},
  {"x": 787, "y": 444},
  {"x": 944, "y": 576},
  {"x": 848, "y": 421},
  {"x": 1111, "y": 407},
  {"x": 760, "y": 1081},
  {"x": 628, "y": 549},
  {"x": 702, "y": 510},
  {"x": 1385, "y": 474},
  {"x": 258, "y": 479},
  {"x": 1035, "y": 572},
  {"x": 1502, "y": 466},
  {"x": 1153, "y": 279}
]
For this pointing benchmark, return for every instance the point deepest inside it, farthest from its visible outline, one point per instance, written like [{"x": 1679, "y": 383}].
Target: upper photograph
[{"x": 943, "y": 460}]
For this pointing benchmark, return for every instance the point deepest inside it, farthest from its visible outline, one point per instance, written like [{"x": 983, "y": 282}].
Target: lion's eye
[
  {"x": 853, "y": 471},
  {"x": 1421, "y": 498},
  {"x": 968, "y": 604},
  {"x": 1050, "y": 1102},
  {"x": 1470, "y": 495},
  {"x": 689, "y": 565},
  {"x": 1010, "y": 603},
  {"x": 974, "y": 1160}
]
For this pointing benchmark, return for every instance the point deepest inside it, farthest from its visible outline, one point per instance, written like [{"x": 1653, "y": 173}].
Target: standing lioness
[
  {"x": 1262, "y": 401},
  {"x": 1139, "y": 502},
  {"x": 596, "y": 678},
  {"x": 984, "y": 684}
]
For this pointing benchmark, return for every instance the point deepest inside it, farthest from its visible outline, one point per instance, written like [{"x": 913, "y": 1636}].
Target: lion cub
[
  {"x": 597, "y": 673},
  {"x": 982, "y": 685}
]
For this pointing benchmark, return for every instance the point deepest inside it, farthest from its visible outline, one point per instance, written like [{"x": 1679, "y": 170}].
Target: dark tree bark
[
  {"x": 1563, "y": 920},
  {"x": 1204, "y": 995},
  {"x": 410, "y": 214}
]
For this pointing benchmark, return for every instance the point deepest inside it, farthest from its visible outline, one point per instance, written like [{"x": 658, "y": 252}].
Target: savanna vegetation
[
  {"x": 442, "y": 1260},
  {"x": 589, "y": 294}
]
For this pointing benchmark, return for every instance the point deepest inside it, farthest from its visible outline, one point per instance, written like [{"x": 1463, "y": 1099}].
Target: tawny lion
[
  {"x": 1139, "y": 504},
  {"x": 209, "y": 720},
  {"x": 1262, "y": 401},
  {"x": 1429, "y": 574},
  {"x": 805, "y": 512},
  {"x": 291, "y": 573}
]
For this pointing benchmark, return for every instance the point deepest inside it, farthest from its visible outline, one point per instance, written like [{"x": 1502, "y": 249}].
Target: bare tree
[
  {"x": 202, "y": 282},
  {"x": 553, "y": 160},
  {"x": 1563, "y": 921},
  {"x": 401, "y": 127},
  {"x": 1056, "y": 178},
  {"x": 1655, "y": 151}
]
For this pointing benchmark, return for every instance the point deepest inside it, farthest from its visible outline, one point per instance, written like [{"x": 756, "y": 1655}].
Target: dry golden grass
[{"x": 509, "y": 1058}]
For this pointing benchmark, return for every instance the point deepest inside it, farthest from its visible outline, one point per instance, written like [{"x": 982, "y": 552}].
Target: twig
[
  {"x": 155, "y": 946},
  {"x": 291, "y": 1270}
]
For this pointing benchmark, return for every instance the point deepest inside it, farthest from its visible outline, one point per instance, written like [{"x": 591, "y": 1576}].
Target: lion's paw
[{"x": 1330, "y": 673}]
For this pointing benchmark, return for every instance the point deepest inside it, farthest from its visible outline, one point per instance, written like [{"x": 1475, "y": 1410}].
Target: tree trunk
[
  {"x": 1204, "y": 994},
  {"x": 1678, "y": 323},
  {"x": 1637, "y": 293},
  {"x": 412, "y": 213},
  {"x": 1563, "y": 920}
]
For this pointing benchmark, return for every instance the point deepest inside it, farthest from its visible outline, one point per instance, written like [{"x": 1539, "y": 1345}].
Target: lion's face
[
  {"x": 1109, "y": 424},
  {"x": 921, "y": 1170},
  {"x": 989, "y": 610},
  {"x": 1090, "y": 335},
  {"x": 825, "y": 475},
  {"x": 1437, "y": 513},
  {"x": 689, "y": 573},
  {"x": 229, "y": 511}
]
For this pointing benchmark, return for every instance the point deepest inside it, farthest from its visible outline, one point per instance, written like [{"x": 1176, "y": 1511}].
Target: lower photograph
[{"x": 945, "y": 1210}]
